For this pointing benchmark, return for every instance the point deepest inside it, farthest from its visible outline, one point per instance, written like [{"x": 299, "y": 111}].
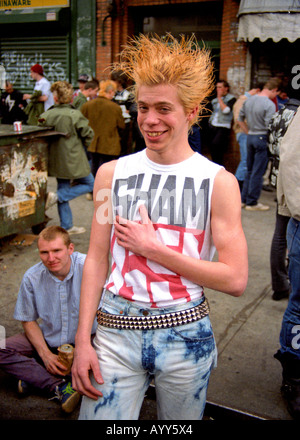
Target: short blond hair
[
  {"x": 107, "y": 86},
  {"x": 63, "y": 90},
  {"x": 154, "y": 60},
  {"x": 52, "y": 232}
]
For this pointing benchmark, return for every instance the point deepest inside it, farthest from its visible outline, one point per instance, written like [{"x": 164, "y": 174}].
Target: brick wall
[
  {"x": 233, "y": 62},
  {"x": 116, "y": 31},
  {"x": 112, "y": 33},
  {"x": 233, "y": 54},
  {"x": 118, "y": 28}
]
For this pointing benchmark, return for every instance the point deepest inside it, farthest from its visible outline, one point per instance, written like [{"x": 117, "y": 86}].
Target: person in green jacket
[
  {"x": 90, "y": 91},
  {"x": 68, "y": 160}
]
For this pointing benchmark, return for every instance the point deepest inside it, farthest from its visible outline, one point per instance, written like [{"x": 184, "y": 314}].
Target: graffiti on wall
[{"x": 17, "y": 66}]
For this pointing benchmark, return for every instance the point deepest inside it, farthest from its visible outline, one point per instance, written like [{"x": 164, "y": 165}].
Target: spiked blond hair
[{"x": 153, "y": 60}]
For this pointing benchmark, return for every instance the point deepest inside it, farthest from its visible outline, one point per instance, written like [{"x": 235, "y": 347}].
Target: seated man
[{"x": 50, "y": 290}]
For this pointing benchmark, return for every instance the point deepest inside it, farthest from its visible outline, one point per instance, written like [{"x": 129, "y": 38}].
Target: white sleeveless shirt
[{"x": 178, "y": 199}]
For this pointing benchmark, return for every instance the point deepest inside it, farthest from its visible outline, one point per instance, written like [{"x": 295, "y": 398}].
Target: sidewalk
[{"x": 247, "y": 378}]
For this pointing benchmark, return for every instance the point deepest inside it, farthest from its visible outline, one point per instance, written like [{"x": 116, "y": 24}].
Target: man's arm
[
  {"x": 94, "y": 277},
  {"x": 41, "y": 98},
  {"x": 224, "y": 108},
  {"x": 243, "y": 126},
  {"x": 241, "y": 120},
  {"x": 35, "y": 336},
  {"x": 230, "y": 273},
  {"x": 269, "y": 113},
  {"x": 85, "y": 132}
]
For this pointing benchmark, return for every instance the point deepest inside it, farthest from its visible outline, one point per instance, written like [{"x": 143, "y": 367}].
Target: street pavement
[{"x": 246, "y": 382}]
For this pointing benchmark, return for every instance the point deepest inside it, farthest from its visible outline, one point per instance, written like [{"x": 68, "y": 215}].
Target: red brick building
[
  {"x": 243, "y": 55},
  {"x": 215, "y": 22},
  {"x": 249, "y": 40}
]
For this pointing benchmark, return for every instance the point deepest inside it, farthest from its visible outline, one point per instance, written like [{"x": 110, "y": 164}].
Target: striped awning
[{"x": 264, "y": 19}]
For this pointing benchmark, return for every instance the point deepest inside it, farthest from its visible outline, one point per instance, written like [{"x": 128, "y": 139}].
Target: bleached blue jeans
[{"x": 180, "y": 360}]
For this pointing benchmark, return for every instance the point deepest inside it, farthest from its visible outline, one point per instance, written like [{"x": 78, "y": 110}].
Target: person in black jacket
[
  {"x": 12, "y": 105},
  {"x": 278, "y": 126}
]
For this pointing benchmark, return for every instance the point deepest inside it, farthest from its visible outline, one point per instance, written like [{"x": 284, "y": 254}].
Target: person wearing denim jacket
[{"x": 220, "y": 122}]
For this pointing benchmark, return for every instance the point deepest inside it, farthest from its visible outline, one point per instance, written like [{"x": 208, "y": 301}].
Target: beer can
[
  {"x": 65, "y": 356},
  {"x": 18, "y": 126}
]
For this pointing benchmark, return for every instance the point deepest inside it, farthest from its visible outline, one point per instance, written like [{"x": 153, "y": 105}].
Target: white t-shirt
[
  {"x": 44, "y": 86},
  {"x": 178, "y": 198}
]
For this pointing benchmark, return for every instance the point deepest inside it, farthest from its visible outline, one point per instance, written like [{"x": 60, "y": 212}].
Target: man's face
[
  {"x": 161, "y": 117},
  {"x": 274, "y": 93},
  {"x": 55, "y": 255},
  {"x": 81, "y": 85},
  {"x": 33, "y": 75},
  {"x": 9, "y": 88},
  {"x": 93, "y": 93},
  {"x": 221, "y": 89}
]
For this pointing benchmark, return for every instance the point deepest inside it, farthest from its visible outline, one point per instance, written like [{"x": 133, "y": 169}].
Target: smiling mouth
[{"x": 154, "y": 133}]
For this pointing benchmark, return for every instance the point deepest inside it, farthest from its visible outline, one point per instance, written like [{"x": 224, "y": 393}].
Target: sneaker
[
  {"x": 257, "y": 207},
  {"x": 76, "y": 230},
  {"x": 267, "y": 188},
  {"x": 89, "y": 196},
  {"x": 51, "y": 199},
  {"x": 243, "y": 205},
  {"x": 68, "y": 397},
  {"x": 23, "y": 387}
]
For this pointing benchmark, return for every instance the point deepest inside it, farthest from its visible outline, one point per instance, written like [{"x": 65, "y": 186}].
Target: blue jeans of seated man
[
  {"x": 179, "y": 358},
  {"x": 290, "y": 329},
  {"x": 257, "y": 161},
  {"x": 241, "y": 170},
  {"x": 66, "y": 192}
]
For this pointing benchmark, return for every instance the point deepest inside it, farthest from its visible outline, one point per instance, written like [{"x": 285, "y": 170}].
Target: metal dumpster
[{"x": 23, "y": 178}]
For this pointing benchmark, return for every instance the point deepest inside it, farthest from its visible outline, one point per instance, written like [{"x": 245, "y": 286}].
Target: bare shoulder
[
  {"x": 225, "y": 181},
  {"x": 226, "y": 191},
  {"x": 225, "y": 177},
  {"x": 104, "y": 176}
]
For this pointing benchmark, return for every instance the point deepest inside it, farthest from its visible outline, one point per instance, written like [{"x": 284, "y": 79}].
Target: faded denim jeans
[
  {"x": 241, "y": 170},
  {"x": 257, "y": 161},
  {"x": 67, "y": 192},
  {"x": 180, "y": 360},
  {"x": 290, "y": 329}
]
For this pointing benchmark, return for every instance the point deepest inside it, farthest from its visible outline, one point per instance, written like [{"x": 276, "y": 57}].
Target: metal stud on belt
[{"x": 155, "y": 321}]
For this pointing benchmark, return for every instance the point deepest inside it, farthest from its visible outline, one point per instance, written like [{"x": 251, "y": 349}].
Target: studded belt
[{"x": 165, "y": 320}]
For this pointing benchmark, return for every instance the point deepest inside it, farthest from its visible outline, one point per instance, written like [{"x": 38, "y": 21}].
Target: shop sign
[{"x": 22, "y": 4}]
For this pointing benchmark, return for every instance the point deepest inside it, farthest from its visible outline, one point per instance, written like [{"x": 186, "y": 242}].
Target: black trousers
[
  {"x": 219, "y": 138},
  {"x": 278, "y": 257}
]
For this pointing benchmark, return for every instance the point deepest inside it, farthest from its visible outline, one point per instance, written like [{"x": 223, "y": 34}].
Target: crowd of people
[{"x": 135, "y": 278}]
